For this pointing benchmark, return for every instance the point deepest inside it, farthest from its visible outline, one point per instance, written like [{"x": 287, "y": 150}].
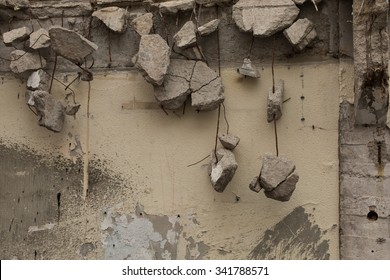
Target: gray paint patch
[
  {"x": 195, "y": 250},
  {"x": 294, "y": 237}
]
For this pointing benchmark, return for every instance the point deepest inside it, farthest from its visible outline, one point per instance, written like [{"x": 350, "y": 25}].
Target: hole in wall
[{"x": 372, "y": 216}]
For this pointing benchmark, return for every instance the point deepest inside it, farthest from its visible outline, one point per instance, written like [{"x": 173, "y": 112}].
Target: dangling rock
[
  {"x": 72, "y": 108},
  {"x": 24, "y": 61},
  {"x": 186, "y": 37},
  {"x": 39, "y": 39},
  {"x": 173, "y": 7},
  {"x": 51, "y": 111},
  {"x": 275, "y": 170},
  {"x": 70, "y": 45},
  {"x": 39, "y": 80},
  {"x": 263, "y": 17},
  {"x": 284, "y": 191},
  {"x": 301, "y": 33},
  {"x": 222, "y": 172},
  {"x": 143, "y": 24},
  {"x": 255, "y": 185},
  {"x": 248, "y": 70},
  {"x": 176, "y": 87},
  {"x": 16, "y": 36},
  {"x": 209, "y": 27},
  {"x": 228, "y": 141},
  {"x": 275, "y": 102},
  {"x": 153, "y": 58},
  {"x": 113, "y": 17}
]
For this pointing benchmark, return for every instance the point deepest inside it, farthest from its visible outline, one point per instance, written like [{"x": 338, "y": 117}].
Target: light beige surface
[{"x": 152, "y": 150}]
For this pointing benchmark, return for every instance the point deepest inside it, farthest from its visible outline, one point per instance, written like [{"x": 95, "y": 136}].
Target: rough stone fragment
[
  {"x": 53, "y": 9},
  {"x": 39, "y": 80},
  {"x": 15, "y": 4},
  {"x": 153, "y": 58},
  {"x": 186, "y": 36},
  {"x": 70, "y": 45},
  {"x": 301, "y": 33},
  {"x": 113, "y": 17},
  {"x": 202, "y": 75},
  {"x": 248, "y": 70},
  {"x": 39, "y": 39},
  {"x": 284, "y": 191},
  {"x": 222, "y": 172},
  {"x": 255, "y": 185},
  {"x": 275, "y": 170},
  {"x": 275, "y": 102},
  {"x": 51, "y": 111},
  {"x": 72, "y": 108},
  {"x": 228, "y": 141},
  {"x": 176, "y": 87},
  {"x": 209, "y": 27},
  {"x": 23, "y": 61},
  {"x": 172, "y": 7},
  {"x": 143, "y": 24},
  {"x": 16, "y": 36},
  {"x": 263, "y": 17}
]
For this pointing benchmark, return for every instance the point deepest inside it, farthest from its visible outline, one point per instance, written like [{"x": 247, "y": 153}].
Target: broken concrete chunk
[
  {"x": 263, "y": 17},
  {"x": 172, "y": 7},
  {"x": 301, "y": 33},
  {"x": 228, "y": 141},
  {"x": 72, "y": 108},
  {"x": 24, "y": 61},
  {"x": 143, "y": 24},
  {"x": 275, "y": 170},
  {"x": 222, "y": 172},
  {"x": 153, "y": 58},
  {"x": 113, "y": 17},
  {"x": 14, "y": 4},
  {"x": 208, "y": 97},
  {"x": 209, "y": 27},
  {"x": 39, "y": 39},
  {"x": 39, "y": 80},
  {"x": 70, "y": 45},
  {"x": 186, "y": 36},
  {"x": 202, "y": 75},
  {"x": 284, "y": 191},
  {"x": 255, "y": 185},
  {"x": 29, "y": 97},
  {"x": 51, "y": 111},
  {"x": 248, "y": 69},
  {"x": 16, "y": 36},
  {"x": 275, "y": 102}
]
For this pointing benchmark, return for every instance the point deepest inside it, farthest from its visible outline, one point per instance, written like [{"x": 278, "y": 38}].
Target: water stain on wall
[{"x": 294, "y": 237}]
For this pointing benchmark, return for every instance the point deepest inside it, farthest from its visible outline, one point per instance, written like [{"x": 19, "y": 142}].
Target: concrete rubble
[
  {"x": 39, "y": 39},
  {"x": 51, "y": 112},
  {"x": 264, "y": 18},
  {"x": 16, "y": 36},
  {"x": 15, "y": 4},
  {"x": 228, "y": 140},
  {"x": 172, "y": 7},
  {"x": 248, "y": 69},
  {"x": 70, "y": 45},
  {"x": 72, "y": 108},
  {"x": 143, "y": 24},
  {"x": 24, "y": 61},
  {"x": 209, "y": 27},
  {"x": 38, "y": 80},
  {"x": 284, "y": 191},
  {"x": 153, "y": 58},
  {"x": 222, "y": 172},
  {"x": 186, "y": 36},
  {"x": 114, "y": 18},
  {"x": 275, "y": 102},
  {"x": 301, "y": 33},
  {"x": 255, "y": 185}
]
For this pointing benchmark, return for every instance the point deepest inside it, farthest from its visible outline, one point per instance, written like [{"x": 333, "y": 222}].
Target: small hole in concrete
[
  {"x": 372, "y": 216},
  {"x": 113, "y": 245},
  {"x": 105, "y": 212},
  {"x": 303, "y": 119},
  {"x": 140, "y": 214},
  {"x": 178, "y": 215},
  {"x": 302, "y": 97},
  {"x": 372, "y": 251}
]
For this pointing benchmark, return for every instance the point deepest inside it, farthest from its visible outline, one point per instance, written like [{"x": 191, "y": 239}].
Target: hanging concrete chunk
[
  {"x": 70, "y": 45},
  {"x": 38, "y": 80},
  {"x": 275, "y": 102},
  {"x": 222, "y": 172},
  {"x": 51, "y": 111},
  {"x": 248, "y": 69},
  {"x": 72, "y": 108},
  {"x": 39, "y": 39},
  {"x": 209, "y": 27},
  {"x": 24, "y": 61},
  {"x": 172, "y": 7},
  {"x": 113, "y": 17},
  {"x": 275, "y": 170},
  {"x": 143, "y": 24},
  {"x": 186, "y": 37},
  {"x": 176, "y": 87},
  {"x": 301, "y": 33},
  {"x": 228, "y": 141},
  {"x": 15, "y": 36},
  {"x": 263, "y": 17},
  {"x": 255, "y": 185},
  {"x": 284, "y": 191},
  {"x": 153, "y": 58}
]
